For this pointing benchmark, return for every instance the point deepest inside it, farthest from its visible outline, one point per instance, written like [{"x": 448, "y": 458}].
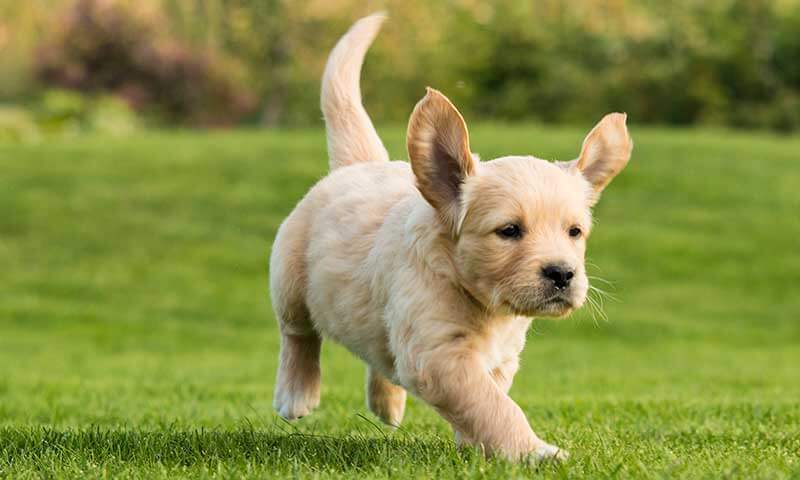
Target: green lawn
[{"x": 137, "y": 339}]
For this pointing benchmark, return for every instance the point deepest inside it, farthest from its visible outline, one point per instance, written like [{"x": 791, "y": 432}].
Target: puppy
[{"x": 430, "y": 271}]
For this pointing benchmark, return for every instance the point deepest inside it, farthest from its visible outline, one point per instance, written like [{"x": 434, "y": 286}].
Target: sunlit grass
[{"x": 137, "y": 340}]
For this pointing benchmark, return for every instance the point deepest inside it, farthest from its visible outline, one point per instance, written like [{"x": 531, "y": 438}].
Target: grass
[{"x": 137, "y": 339}]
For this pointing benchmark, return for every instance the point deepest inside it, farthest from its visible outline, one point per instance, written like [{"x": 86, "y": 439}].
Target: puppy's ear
[
  {"x": 438, "y": 148},
  {"x": 606, "y": 151}
]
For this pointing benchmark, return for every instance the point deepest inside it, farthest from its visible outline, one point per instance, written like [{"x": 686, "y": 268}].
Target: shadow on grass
[{"x": 172, "y": 447}]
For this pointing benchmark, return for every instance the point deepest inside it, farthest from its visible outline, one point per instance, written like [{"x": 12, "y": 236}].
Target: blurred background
[{"x": 114, "y": 64}]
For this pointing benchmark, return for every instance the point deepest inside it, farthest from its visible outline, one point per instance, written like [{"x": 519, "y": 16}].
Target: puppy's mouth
[{"x": 556, "y": 305}]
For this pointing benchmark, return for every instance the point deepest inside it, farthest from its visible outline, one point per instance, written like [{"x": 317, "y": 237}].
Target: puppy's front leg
[
  {"x": 457, "y": 384},
  {"x": 503, "y": 376}
]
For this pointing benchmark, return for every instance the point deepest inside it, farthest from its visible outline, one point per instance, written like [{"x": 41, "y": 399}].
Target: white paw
[
  {"x": 292, "y": 407},
  {"x": 545, "y": 451}
]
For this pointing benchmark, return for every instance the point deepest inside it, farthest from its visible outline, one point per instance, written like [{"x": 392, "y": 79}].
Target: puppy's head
[{"x": 519, "y": 225}]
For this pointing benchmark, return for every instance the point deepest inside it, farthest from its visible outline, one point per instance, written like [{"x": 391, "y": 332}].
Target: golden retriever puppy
[{"x": 430, "y": 271}]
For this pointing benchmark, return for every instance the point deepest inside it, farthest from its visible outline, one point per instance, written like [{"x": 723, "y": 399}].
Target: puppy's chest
[{"x": 504, "y": 341}]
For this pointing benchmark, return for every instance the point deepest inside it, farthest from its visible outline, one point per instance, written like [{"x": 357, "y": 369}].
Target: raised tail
[{"x": 351, "y": 136}]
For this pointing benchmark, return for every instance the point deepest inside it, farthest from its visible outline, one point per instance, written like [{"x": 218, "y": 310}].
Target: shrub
[
  {"x": 65, "y": 113},
  {"x": 683, "y": 62},
  {"x": 110, "y": 46},
  {"x": 17, "y": 125}
]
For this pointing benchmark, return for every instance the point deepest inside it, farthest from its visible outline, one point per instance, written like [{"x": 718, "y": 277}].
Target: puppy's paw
[
  {"x": 292, "y": 406},
  {"x": 546, "y": 452},
  {"x": 390, "y": 414},
  {"x": 387, "y": 402}
]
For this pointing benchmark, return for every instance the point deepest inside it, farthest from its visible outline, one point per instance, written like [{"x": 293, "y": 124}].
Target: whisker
[
  {"x": 593, "y": 312},
  {"x": 589, "y": 263},
  {"x": 603, "y": 294},
  {"x": 600, "y": 279},
  {"x": 596, "y": 299}
]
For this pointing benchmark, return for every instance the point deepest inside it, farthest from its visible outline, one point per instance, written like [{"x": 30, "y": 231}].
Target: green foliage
[
  {"x": 728, "y": 62},
  {"x": 111, "y": 47},
  {"x": 65, "y": 113},
  {"x": 676, "y": 62},
  {"x": 17, "y": 125},
  {"x": 137, "y": 339}
]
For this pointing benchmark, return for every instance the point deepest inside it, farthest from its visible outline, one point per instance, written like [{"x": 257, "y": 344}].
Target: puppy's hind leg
[
  {"x": 385, "y": 399},
  {"x": 298, "y": 382},
  {"x": 297, "y": 387}
]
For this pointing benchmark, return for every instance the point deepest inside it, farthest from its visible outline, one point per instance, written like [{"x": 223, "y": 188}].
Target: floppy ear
[
  {"x": 438, "y": 148},
  {"x": 606, "y": 151}
]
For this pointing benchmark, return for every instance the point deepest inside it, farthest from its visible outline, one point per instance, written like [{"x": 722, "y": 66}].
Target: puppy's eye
[
  {"x": 575, "y": 232},
  {"x": 510, "y": 231}
]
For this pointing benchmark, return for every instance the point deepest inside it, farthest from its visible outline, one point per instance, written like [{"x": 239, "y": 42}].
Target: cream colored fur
[
  {"x": 411, "y": 268},
  {"x": 351, "y": 136}
]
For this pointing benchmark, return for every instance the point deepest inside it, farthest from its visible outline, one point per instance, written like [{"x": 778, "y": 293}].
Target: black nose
[{"x": 560, "y": 276}]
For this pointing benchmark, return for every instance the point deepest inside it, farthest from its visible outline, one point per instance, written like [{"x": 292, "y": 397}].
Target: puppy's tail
[{"x": 351, "y": 136}]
